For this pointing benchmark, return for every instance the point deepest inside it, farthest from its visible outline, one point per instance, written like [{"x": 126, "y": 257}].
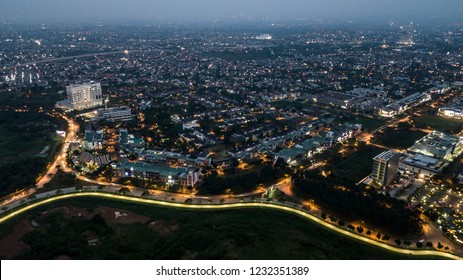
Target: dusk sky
[{"x": 145, "y": 10}]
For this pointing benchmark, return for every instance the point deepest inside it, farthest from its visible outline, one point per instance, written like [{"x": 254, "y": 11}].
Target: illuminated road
[
  {"x": 231, "y": 206},
  {"x": 61, "y": 158}
]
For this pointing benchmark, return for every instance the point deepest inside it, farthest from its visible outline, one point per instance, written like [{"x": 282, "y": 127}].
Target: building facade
[
  {"x": 114, "y": 114},
  {"x": 82, "y": 96},
  {"x": 385, "y": 168}
]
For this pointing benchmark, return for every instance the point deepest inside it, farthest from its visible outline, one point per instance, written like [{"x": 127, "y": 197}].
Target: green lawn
[
  {"x": 225, "y": 234},
  {"x": 439, "y": 123},
  {"x": 358, "y": 165}
]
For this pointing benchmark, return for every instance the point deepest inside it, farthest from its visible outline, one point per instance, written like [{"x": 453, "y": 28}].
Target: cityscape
[{"x": 217, "y": 140}]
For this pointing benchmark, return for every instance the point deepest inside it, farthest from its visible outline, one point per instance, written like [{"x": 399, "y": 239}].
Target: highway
[
  {"x": 73, "y": 57},
  {"x": 237, "y": 205}
]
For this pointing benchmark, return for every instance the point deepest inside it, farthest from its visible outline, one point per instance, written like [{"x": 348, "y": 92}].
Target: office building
[
  {"x": 385, "y": 168},
  {"x": 422, "y": 165},
  {"x": 439, "y": 145}
]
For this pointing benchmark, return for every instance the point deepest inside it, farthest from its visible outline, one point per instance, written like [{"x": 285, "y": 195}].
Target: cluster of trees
[
  {"x": 356, "y": 201},
  {"x": 214, "y": 184},
  {"x": 66, "y": 238}
]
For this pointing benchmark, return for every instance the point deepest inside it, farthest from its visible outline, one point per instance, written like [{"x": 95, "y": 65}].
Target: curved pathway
[{"x": 230, "y": 206}]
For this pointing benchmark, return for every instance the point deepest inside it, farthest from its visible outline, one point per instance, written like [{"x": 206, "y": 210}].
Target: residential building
[
  {"x": 183, "y": 176},
  {"x": 93, "y": 139}
]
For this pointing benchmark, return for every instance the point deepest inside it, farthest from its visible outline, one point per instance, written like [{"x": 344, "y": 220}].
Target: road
[
  {"x": 73, "y": 57},
  {"x": 291, "y": 209},
  {"x": 60, "y": 159}
]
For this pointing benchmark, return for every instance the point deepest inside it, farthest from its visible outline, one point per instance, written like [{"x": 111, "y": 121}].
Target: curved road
[{"x": 231, "y": 206}]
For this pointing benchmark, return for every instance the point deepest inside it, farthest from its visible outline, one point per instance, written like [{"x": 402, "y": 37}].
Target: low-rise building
[
  {"x": 453, "y": 110},
  {"x": 404, "y": 104},
  {"x": 423, "y": 165},
  {"x": 93, "y": 139},
  {"x": 114, "y": 114},
  {"x": 334, "y": 98},
  {"x": 438, "y": 144},
  {"x": 183, "y": 176}
]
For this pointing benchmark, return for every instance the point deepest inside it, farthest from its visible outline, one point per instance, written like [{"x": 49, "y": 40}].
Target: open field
[
  {"x": 147, "y": 232},
  {"x": 359, "y": 164},
  {"x": 399, "y": 139},
  {"x": 366, "y": 122},
  {"x": 439, "y": 123}
]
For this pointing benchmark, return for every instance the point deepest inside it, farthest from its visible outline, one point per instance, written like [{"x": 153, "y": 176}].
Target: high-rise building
[
  {"x": 407, "y": 33},
  {"x": 82, "y": 96},
  {"x": 385, "y": 168}
]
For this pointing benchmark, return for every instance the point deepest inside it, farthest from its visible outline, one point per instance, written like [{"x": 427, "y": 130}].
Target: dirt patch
[
  {"x": 11, "y": 244},
  {"x": 69, "y": 212},
  {"x": 162, "y": 228},
  {"x": 120, "y": 216}
]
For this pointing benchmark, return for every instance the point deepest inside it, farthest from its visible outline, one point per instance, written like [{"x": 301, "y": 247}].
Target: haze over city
[{"x": 88, "y": 11}]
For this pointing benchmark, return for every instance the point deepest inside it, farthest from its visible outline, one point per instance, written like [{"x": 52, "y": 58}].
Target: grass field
[
  {"x": 358, "y": 165},
  {"x": 399, "y": 139},
  {"x": 181, "y": 234},
  {"x": 439, "y": 123}
]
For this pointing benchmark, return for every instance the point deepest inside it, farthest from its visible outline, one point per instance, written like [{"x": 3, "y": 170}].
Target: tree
[
  {"x": 145, "y": 193},
  {"x": 360, "y": 229},
  {"x": 123, "y": 190},
  {"x": 341, "y": 223},
  {"x": 439, "y": 245},
  {"x": 429, "y": 244},
  {"x": 323, "y": 215},
  {"x": 378, "y": 236},
  {"x": 407, "y": 243},
  {"x": 189, "y": 201},
  {"x": 398, "y": 242},
  {"x": 368, "y": 232},
  {"x": 419, "y": 244}
]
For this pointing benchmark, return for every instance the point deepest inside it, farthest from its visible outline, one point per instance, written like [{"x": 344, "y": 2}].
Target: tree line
[{"x": 356, "y": 201}]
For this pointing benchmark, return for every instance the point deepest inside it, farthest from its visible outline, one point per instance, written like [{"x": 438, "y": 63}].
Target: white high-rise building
[{"x": 82, "y": 96}]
